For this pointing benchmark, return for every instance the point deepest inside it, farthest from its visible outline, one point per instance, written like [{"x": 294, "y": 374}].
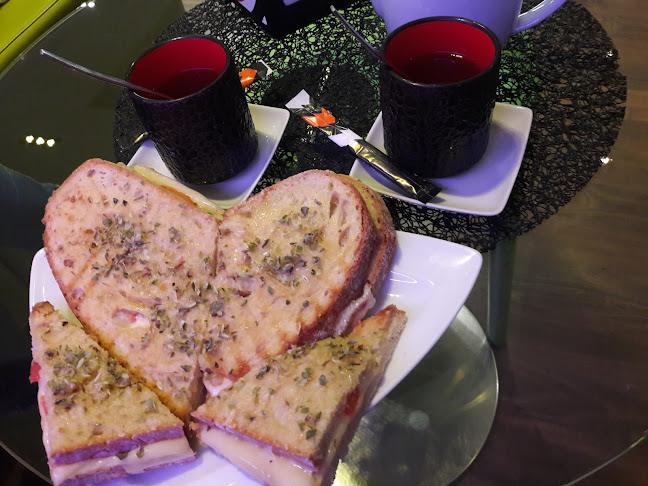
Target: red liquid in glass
[
  {"x": 188, "y": 82},
  {"x": 440, "y": 68}
]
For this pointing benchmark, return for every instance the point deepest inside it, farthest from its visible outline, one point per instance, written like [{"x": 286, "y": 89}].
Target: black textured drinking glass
[
  {"x": 205, "y": 133},
  {"x": 437, "y": 115}
]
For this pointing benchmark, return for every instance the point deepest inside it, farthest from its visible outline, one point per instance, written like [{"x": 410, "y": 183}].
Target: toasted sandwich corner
[
  {"x": 291, "y": 420},
  {"x": 98, "y": 421}
]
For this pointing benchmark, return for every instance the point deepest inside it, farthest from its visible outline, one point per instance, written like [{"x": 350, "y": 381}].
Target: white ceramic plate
[
  {"x": 269, "y": 123},
  {"x": 482, "y": 190},
  {"x": 430, "y": 280}
]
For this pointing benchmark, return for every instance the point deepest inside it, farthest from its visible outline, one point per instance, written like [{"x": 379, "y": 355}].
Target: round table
[
  {"x": 578, "y": 98},
  {"x": 573, "y": 86}
]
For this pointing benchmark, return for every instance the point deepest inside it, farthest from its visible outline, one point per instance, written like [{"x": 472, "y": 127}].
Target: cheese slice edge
[{"x": 149, "y": 456}]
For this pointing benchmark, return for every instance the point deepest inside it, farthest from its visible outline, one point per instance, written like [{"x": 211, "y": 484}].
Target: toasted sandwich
[
  {"x": 181, "y": 292},
  {"x": 290, "y": 420},
  {"x": 98, "y": 421},
  {"x": 134, "y": 261},
  {"x": 296, "y": 263}
]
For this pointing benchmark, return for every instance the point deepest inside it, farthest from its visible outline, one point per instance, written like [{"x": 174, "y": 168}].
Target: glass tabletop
[
  {"x": 73, "y": 117},
  {"x": 573, "y": 377}
]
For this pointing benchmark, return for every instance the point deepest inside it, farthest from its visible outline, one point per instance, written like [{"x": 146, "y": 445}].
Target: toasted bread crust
[
  {"x": 107, "y": 475},
  {"x": 382, "y": 331},
  {"x": 386, "y": 248}
]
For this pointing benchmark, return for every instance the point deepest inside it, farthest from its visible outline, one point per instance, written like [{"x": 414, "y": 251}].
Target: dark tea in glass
[
  {"x": 188, "y": 82},
  {"x": 440, "y": 68}
]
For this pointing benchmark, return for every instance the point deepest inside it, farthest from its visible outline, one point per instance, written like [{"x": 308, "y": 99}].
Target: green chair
[{"x": 24, "y": 21}]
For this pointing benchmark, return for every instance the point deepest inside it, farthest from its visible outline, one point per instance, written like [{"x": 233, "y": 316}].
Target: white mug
[{"x": 501, "y": 16}]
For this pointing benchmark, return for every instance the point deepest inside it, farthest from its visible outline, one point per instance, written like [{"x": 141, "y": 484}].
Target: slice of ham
[{"x": 34, "y": 375}]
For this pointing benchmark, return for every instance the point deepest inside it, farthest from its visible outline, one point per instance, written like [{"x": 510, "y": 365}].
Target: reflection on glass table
[{"x": 573, "y": 386}]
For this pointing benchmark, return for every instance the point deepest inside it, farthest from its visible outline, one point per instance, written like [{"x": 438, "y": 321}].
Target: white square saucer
[
  {"x": 484, "y": 189},
  {"x": 269, "y": 123}
]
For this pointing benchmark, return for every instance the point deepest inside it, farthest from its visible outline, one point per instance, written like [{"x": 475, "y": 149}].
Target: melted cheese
[
  {"x": 152, "y": 455},
  {"x": 216, "y": 384},
  {"x": 355, "y": 310},
  {"x": 259, "y": 462},
  {"x": 262, "y": 463}
]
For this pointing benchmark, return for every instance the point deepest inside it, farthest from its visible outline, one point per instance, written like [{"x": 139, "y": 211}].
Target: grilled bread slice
[
  {"x": 134, "y": 262},
  {"x": 290, "y": 420},
  {"x": 292, "y": 260},
  {"x": 98, "y": 422}
]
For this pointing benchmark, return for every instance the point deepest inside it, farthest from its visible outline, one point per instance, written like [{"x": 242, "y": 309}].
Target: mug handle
[{"x": 536, "y": 15}]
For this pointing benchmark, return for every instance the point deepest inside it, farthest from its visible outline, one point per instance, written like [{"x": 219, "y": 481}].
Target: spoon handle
[
  {"x": 101, "y": 76},
  {"x": 364, "y": 42}
]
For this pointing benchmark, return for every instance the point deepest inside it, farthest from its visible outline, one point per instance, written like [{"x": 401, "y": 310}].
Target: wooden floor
[{"x": 574, "y": 374}]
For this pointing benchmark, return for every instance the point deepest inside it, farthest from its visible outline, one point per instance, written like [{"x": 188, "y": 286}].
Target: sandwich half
[
  {"x": 134, "y": 260},
  {"x": 290, "y": 420},
  {"x": 98, "y": 421},
  {"x": 296, "y": 263}
]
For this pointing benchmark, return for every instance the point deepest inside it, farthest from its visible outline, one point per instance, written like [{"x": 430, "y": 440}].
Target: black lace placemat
[{"x": 565, "y": 70}]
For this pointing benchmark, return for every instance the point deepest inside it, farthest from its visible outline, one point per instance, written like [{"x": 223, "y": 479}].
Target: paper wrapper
[{"x": 258, "y": 70}]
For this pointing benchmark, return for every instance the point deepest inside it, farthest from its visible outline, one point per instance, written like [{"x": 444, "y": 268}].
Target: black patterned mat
[{"x": 565, "y": 70}]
